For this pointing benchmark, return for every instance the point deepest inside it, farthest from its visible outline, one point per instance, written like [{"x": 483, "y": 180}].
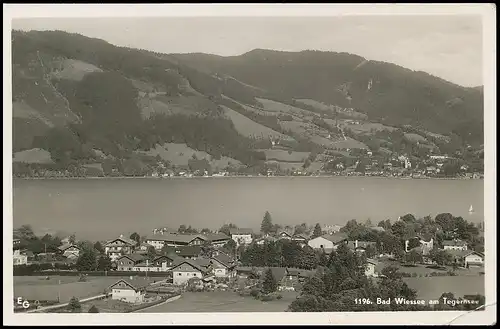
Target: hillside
[
  {"x": 387, "y": 93},
  {"x": 82, "y": 103}
]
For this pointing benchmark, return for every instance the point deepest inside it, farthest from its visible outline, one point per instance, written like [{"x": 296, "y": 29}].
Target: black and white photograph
[{"x": 201, "y": 160}]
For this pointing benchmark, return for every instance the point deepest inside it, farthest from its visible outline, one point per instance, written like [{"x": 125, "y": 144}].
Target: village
[{"x": 163, "y": 265}]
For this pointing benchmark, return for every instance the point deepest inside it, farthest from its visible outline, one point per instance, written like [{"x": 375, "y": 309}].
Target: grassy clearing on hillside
[
  {"x": 35, "y": 155},
  {"x": 286, "y": 156},
  {"x": 365, "y": 127},
  {"x": 222, "y": 301},
  {"x": 248, "y": 127},
  {"x": 72, "y": 69},
  {"x": 432, "y": 287},
  {"x": 415, "y": 137},
  {"x": 273, "y": 106},
  {"x": 316, "y": 104},
  {"x": 251, "y": 108},
  {"x": 179, "y": 155},
  {"x": 149, "y": 106}
]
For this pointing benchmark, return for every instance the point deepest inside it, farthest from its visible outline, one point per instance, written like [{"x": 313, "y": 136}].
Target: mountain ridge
[{"x": 128, "y": 101}]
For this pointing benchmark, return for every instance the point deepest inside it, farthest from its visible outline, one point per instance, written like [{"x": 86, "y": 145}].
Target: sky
[{"x": 448, "y": 46}]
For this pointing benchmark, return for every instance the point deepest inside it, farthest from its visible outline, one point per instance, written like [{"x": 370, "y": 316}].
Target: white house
[
  {"x": 70, "y": 250},
  {"x": 467, "y": 258},
  {"x": 131, "y": 291},
  {"x": 175, "y": 240},
  {"x": 118, "y": 247},
  {"x": 370, "y": 270},
  {"x": 185, "y": 270},
  {"x": 241, "y": 235},
  {"x": 454, "y": 245},
  {"x": 19, "y": 258},
  {"x": 223, "y": 266},
  {"x": 327, "y": 242}
]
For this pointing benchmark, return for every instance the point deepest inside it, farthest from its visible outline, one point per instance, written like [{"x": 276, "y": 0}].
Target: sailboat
[{"x": 471, "y": 210}]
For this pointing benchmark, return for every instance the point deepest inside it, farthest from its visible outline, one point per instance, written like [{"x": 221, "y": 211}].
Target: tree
[
  {"x": 413, "y": 257},
  {"x": 74, "y": 305},
  {"x": 368, "y": 223},
  {"x": 226, "y": 228},
  {"x": 205, "y": 231},
  {"x": 441, "y": 257},
  {"x": 72, "y": 238},
  {"x": 166, "y": 250},
  {"x": 104, "y": 263},
  {"x": 207, "y": 249},
  {"x": 98, "y": 246},
  {"x": 317, "y": 231},
  {"x": 323, "y": 259},
  {"x": 136, "y": 237},
  {"x": 93, "y": 309},
  {"x": 267, "y": 223},
  {"x": 230, "y": 246},
  {"x": 86, "y": 261},
  {"x": 151, "y": 253},
  {"x": 269, "y": 284}
]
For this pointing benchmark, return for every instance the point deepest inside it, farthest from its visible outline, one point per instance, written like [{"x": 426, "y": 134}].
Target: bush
[
  {"x": 254, "y": 292},
  {"x": 279, "y": 296},
  {"x": 266, "y": 298},
  {"x": 414, "y": 275}
]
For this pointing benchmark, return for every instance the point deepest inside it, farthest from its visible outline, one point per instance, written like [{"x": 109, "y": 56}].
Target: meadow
[
  {"x": 38, "y": 288},
  {"x": 222, "y": 302}
]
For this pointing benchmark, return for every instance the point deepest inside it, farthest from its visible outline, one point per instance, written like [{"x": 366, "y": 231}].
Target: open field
[
  {"x": 37, "y": 288},
  {"x": 286, "y": 156},
  {"x": 248, "y": 127},
  {"x": 179, "y": 155},
  {"x": 415, "y": 137},
  {"x": 222, "y": 302},
  {"x": 319, "y": 105},
  {"x": 72, "y": 69},
  {"x": 273, "y": 106},
  {"x": 433, "y": 287}
]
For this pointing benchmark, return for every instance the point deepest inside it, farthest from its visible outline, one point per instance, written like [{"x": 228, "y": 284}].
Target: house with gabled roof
[
  {"x": 118, "y": 247},
  {"x": 241, "y": 235},
  {"x": 217, "y": 239},
  {"x": 284, "y": 235},
  {"x": 175, "y": 240},
  {"x": 189, "y": 252},
  {"x": 361, "y": 246},
  {"x": 300, "y": 238},
  {"x": 467, "y": 258},
  {"x": 128, "y": 262},
  {"x": 185, "y": 270},
  {"x": 69, "y": 250},
  {"x": 223, "y": 266},
  {"x": 328, "y": 242},
  {"x": 455, "y": 244},
  {"x": 130, "y": 291}
]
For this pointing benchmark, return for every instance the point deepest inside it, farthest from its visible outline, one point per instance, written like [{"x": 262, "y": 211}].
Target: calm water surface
[{"x": 105, "y": 208}]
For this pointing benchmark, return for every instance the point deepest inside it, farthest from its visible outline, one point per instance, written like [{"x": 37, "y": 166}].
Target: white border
[{"x": 487, "y": 12}]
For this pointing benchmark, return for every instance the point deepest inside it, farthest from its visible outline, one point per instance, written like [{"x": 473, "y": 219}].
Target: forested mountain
[{"x": 84, "y": 102}]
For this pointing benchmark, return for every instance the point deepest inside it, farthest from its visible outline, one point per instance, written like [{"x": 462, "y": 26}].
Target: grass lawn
[
  {"x": 37, "y": 288},
  {"x": 285, "y": 156},
  {"x": 222, "y": 302},
  {"x": 248, "y": 127},
  {"x": 433, "y": 287}
]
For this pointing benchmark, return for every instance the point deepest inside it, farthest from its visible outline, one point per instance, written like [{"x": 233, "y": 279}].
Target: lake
[{"x": 105, "y": 208}]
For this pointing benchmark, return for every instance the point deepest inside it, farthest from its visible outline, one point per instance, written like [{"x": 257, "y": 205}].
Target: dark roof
[
  {"x": 240, "y": 231},
  {"x": 136, "y": 284},
  {"x": 224, "y": 260},
  {"x": 66, "y": 246},
  {"x": 171, "y": 256},
  {"x": 372, "y": 261},
  {"x": 299, "y": 272},
  {"x": 194, "y": 264},
  {"x": 126, "y": 240},
  {"x": 463, "y": 253},
  {"x": 217, "y": 236},
  {"x": 335, "y": 237},
  {"x": 135, "y": 257},
  {"x": 175, "y": 237},
  {"x": 188, "y": 251},
  {"x": 281, "y": 233},
  {"x": 457, "y": 243},
  {"x": 300, "y": 236}
]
